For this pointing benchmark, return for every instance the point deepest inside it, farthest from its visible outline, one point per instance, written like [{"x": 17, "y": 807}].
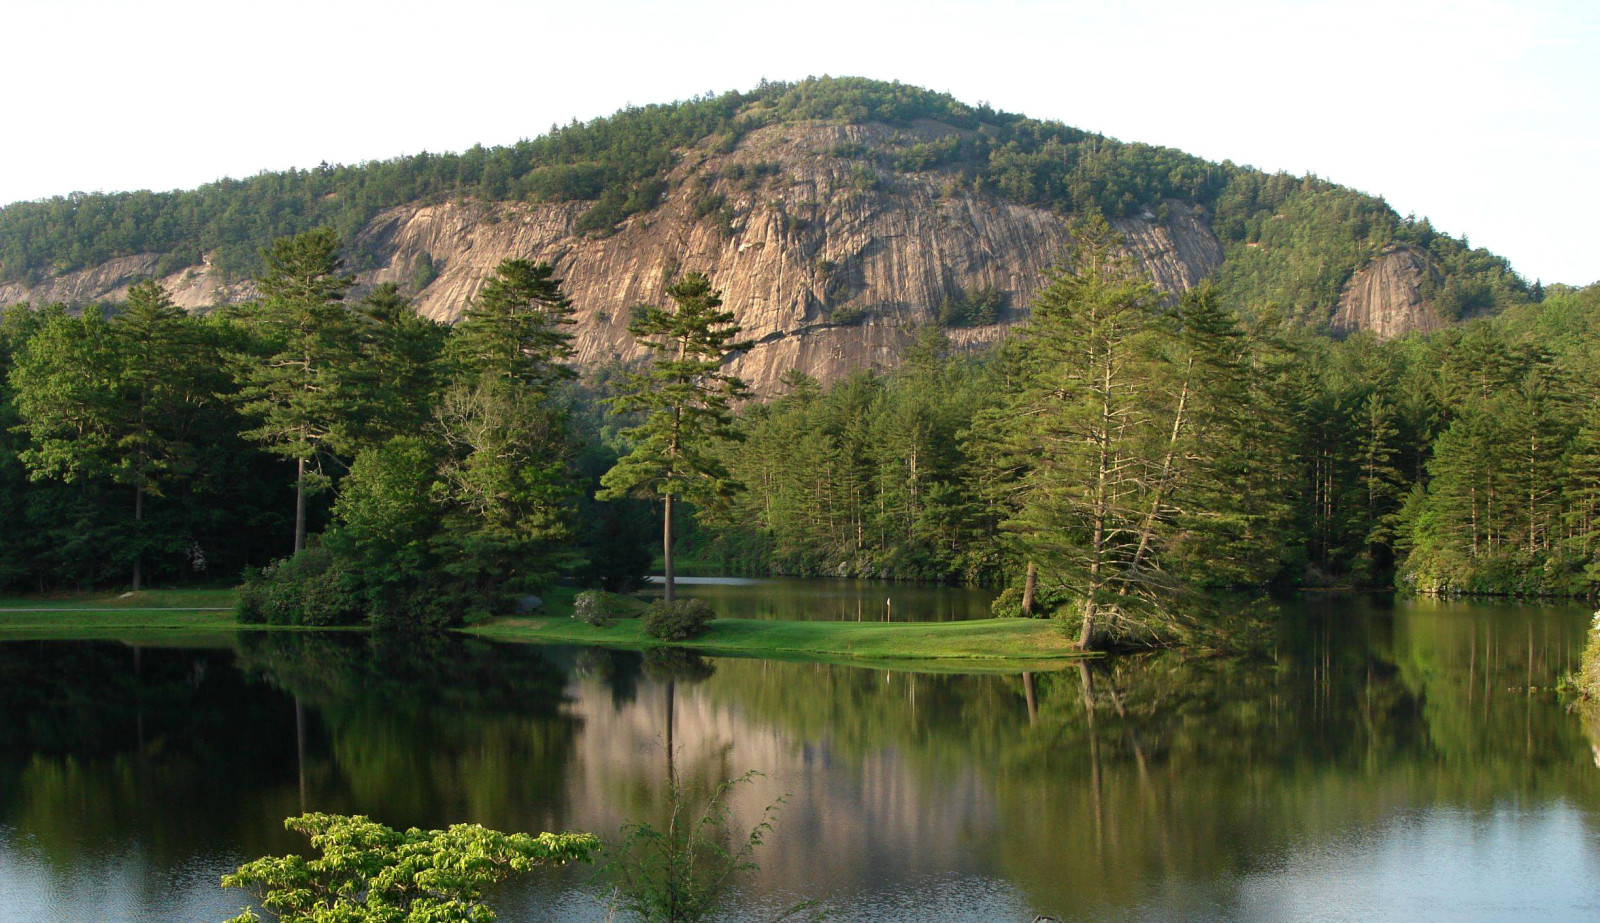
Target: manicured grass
[
  {"x": 188, "y": 616},
  {"x": 145, "y": 600},
  {"x": 986, "y": 645}
]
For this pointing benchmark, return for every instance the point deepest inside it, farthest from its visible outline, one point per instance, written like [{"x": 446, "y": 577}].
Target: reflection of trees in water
[
  {"x": 422, "y": 729},
  {"x": 1118, "y": 770},
  {"x": 99, "y": 740},
  {"x": 213, "y": 748}
]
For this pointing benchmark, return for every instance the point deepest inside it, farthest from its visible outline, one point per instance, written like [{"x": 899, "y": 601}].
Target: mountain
[{"x": 836, "y": 214}]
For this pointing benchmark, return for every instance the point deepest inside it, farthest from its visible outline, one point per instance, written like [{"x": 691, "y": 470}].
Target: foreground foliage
[
  {"x": 683, "y": 872},
  {"x": 369, "y": 873}
]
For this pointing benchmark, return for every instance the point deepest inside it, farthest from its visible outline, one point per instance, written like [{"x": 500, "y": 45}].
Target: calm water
[{"x": 1405, "y": 762}]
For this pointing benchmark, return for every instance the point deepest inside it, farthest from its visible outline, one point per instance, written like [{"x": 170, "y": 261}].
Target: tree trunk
[
  {"x": 1158, "y": 494},
  {"x": 300, "y": 505},
  {"x": 666, "y": 547},
  {"x": 138, "y": 533},
  {"x": 1028, "y": 586}
]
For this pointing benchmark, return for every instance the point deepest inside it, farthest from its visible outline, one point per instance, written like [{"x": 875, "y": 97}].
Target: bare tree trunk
[
  {"x": 1102, "y": 502},
  {"x": 300, "y": 505},
  {"x": 1158, "y": 496},
  {"x": 1028, "y": 586},
  {"x": 138, "y": 534},
  {"x": 666, "y": 547}
]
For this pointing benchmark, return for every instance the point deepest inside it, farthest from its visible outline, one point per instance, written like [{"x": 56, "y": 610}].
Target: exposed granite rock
[
  {"x": 1385, "y": 297},
  {"x": 799, "y": 234}
]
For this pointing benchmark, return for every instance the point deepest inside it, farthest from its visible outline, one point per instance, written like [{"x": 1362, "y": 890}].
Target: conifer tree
[
  {"x": 299, "y": 390},
  {"x": 686, "y": 400},
  {"x": 111, "y": 401},
  {"x": 506, "y": 475},
  {"x": 1082, "y": 420},
  {"x": 513, "y": 330}
]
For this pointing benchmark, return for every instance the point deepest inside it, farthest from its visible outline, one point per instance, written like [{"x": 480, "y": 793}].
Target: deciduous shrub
[
  {"x": 678, "y": 620},
  {"x": 595, "y": 608},
  {"x": 310, "y": 588}
]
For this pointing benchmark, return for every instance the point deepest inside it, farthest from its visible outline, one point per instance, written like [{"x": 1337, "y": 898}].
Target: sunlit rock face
[
  {"x": 800, "y": 240},
  {"x": 1386, "y": 297}
]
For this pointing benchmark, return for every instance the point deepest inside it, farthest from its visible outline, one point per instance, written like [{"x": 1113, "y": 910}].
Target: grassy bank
[
  {"x": 188, "y": 616},
  {"x": 986, "y": 645}
]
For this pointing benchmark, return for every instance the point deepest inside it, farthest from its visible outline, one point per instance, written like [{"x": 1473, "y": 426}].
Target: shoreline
[{"x": 972, "y": 646}]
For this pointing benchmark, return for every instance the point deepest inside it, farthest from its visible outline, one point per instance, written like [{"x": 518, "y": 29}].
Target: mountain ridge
[{"x": 835, "y": 213}]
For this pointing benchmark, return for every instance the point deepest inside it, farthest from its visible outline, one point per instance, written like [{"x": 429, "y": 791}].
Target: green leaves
[
  {"x": 512, "y": 332},
  {"x": 369, "y": 873},
  {"x": 685, "y": 398}
]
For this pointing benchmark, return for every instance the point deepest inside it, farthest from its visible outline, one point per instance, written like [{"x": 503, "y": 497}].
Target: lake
[{"x": 1385, "y": 760}]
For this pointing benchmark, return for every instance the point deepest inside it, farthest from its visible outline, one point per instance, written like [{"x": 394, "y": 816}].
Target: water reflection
[{"x": 1376, "y": 751}]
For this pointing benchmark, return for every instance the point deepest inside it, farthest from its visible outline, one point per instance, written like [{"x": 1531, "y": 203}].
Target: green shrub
[
  {"x": 850, "y": 315},
  {"x": 1587, "y": 679},
  {"x": 678, "y": 620},
  {"x": 594, "y": 608},
  {"x": 977, "y": 309},
  {"x": 309, "y": 588}
]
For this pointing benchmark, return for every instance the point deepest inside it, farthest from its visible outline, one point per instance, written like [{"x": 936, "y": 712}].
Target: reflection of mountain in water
[{"x": 1156, "y": 784}]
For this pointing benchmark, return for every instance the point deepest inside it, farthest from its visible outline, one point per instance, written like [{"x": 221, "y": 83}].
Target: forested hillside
[
  {"x": 1290, "y": 242},
  {"x": 1136, "y": 431},
  {"x": 1464, "y": 461}
]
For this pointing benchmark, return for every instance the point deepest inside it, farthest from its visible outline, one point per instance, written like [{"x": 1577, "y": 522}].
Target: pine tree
[
  {"x": 111, "y": 401},
  {"x": 1083, "y": 420},
  {"x": 163, "y": 365},
  {"x": 507, "y": 478},
  {"x": 686, "y": 399},
  {"x": 398, "y": 370},
  {"x": 512, "y": 332},
  {"x": 299, "y": 389}
]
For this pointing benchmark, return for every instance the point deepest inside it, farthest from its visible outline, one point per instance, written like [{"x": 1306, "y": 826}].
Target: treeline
[
  {"x": 449, "y": 470},
  {"x": 1207, "y": 450},
  {"x": 1292, "y": 242}
]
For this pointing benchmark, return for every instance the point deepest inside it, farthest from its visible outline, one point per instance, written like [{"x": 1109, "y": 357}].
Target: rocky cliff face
[
  {"x": 1385, "y": 297},
  {"x": 793, "y": 235}
]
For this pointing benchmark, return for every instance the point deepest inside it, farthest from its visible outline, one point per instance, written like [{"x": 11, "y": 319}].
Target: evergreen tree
[
  {"x": 1082, "y": 422},
  {"x": 512, "y": 332},
  {"x": 686, "y": 400},
  {"x": 398, "y": 368},
  {"x": 298, "y": 387},
  {"x": 163, "y": 369}
]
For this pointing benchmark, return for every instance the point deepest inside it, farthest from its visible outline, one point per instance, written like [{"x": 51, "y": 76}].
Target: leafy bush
[
  {"x": 369, "y": 872},
  {"x": 850, "y": 315},
  {"x": 678, "y": 620},
  {"x": 594, "y": 608},
  {"x": 309, "y": 588}
]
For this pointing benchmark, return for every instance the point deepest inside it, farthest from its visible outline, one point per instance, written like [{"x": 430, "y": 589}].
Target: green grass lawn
[
  {"x": 169, "y": 617},
  {"x": 986, "y": 645},
  {"x": 188, "y": 616},
  {"x": 143, "y": 601}
]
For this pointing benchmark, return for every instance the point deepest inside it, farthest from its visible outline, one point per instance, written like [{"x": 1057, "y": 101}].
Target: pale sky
[{"x": 1483, "y": 116}]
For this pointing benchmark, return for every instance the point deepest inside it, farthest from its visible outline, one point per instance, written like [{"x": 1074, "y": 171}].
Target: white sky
[{"x": 1483, "y": 116}]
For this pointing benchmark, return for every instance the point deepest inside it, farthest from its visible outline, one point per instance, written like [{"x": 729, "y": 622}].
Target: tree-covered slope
[{"x": 1291, "y": 242}]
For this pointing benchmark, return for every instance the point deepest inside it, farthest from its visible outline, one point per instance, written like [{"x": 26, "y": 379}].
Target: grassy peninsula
[
  {"x": 982, "y": 645},
  {"x": 181, "y": 617}
]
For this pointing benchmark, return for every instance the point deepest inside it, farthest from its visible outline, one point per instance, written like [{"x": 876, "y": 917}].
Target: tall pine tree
[{"x": 687, "y": 403}]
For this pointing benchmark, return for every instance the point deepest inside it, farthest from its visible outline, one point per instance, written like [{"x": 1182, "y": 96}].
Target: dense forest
[
  {"x": 1465, "y": 461},
  {"x": 1116, "y": 452},
  {"x": 1291, "y": 242}
]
